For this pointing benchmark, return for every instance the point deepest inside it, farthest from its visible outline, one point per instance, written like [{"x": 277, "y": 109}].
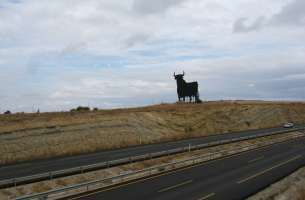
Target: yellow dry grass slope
[{"x": 34, "y": 136}]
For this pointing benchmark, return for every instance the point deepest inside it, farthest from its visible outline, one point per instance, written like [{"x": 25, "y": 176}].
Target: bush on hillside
[
  {"x": 80, "y": 108},
  {"x": 7, "y": 112}
]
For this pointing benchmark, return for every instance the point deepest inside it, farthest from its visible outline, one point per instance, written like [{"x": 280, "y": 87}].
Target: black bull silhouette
[{"x": 185, "y": 89}]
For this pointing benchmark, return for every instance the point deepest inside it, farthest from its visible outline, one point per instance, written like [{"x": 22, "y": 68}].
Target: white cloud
[
  {"x": 251, "y": 85},
  {"x": 61, "y": 53}
]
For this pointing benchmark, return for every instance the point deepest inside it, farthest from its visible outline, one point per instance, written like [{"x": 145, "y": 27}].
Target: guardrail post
[
  {"x": 50, "y": 175},
  {"x": 122, "y": 179}
]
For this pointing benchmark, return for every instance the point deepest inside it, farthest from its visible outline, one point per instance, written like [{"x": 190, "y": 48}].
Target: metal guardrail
[
  {"x": 148, "y": 171},
  {"x": 78, "y": 170}
]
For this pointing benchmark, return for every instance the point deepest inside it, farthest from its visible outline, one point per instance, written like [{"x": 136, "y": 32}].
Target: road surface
[{"x": 231, "y": 178}]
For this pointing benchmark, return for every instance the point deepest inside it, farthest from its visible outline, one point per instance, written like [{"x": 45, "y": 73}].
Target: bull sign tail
[{"x": 185, "y": 89}]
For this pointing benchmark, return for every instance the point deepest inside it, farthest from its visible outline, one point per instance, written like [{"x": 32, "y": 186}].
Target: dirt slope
[{"x": 35, "y": 136}]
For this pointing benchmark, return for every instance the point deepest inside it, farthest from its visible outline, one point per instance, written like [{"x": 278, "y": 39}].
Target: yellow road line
[
  {"x": 256, "y": 159},
  {"x": 269, "y": 169},
  {"x": 207, "y": 196},
  {"x": 175, "y": 186}
]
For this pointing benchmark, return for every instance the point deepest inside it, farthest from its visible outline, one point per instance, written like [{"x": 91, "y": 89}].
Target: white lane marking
[{"x": 175, "y": 186}]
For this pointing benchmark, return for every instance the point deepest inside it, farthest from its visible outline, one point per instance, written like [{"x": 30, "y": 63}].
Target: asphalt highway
[
  {"x": 42, "y": 166},
  {"x": 230, "y": 178}
]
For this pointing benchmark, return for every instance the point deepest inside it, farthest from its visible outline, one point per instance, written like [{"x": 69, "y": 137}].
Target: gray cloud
[
  {"x": 241, "y": 26},
  {"x": 152, "y": 7},
  {"x": 136, "y": 39},
  {"x": 291, "y": 14}
]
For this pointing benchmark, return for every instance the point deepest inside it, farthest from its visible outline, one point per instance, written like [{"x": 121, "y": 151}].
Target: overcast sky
[{"x": 58, "y": 54}]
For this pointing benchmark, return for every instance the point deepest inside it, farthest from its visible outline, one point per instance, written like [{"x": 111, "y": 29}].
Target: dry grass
[{"x": 26, "y": 137}]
